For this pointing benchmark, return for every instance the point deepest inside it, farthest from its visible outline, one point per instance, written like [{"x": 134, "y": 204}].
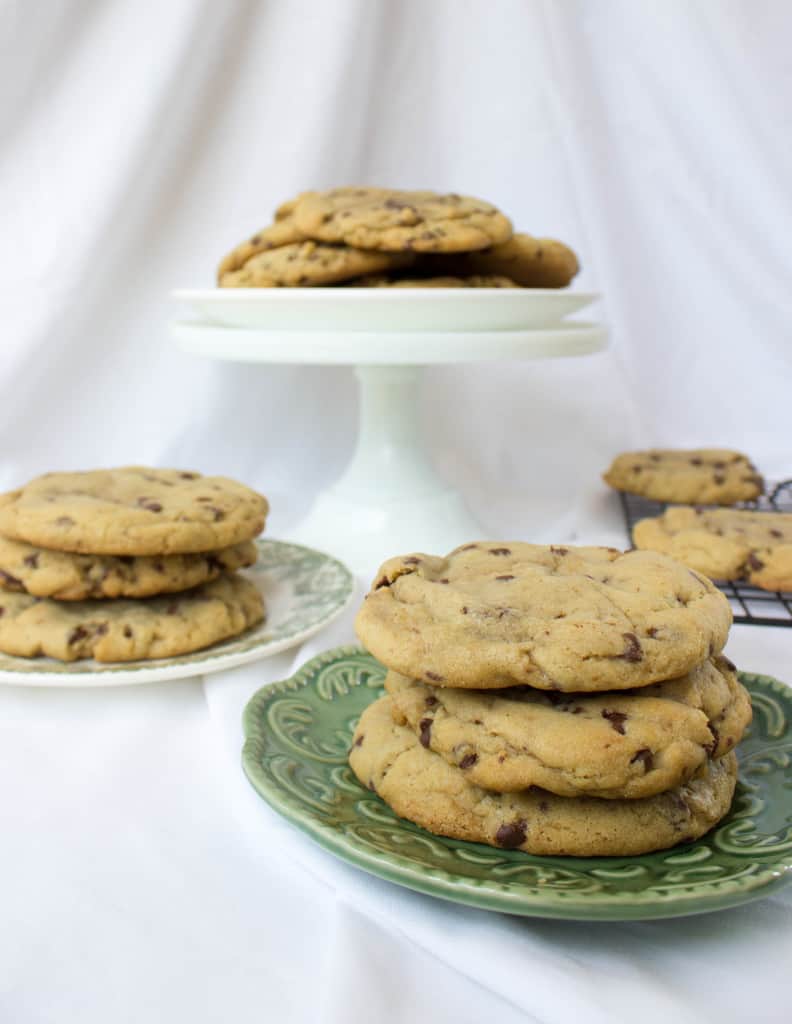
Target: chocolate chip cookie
[
  {"x": 132, "y": 511},
  {"x": 282, "y": 232},
  {"x": 395, "y": 221},
  {"x": 623, "y": 745},
  {"x": 724, "y": 544},
  {"x": 421, "y": 786},
  {"x": 114, "y": 631},
  {"x": 309, "y": 265},
  {"x": 529, "y": 262},
  {"x": 42, "y": 572},
  {"x": 707, "y": 476},
  {"x": 473, "y": 281},
  {"x": 494, "y": 614}
]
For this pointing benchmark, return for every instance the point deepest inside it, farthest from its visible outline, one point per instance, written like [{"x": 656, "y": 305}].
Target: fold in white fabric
[{"x": 142, "y": 879}]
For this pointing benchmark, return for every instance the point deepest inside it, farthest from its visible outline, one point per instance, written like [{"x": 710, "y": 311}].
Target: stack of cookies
[
  {"x": 556, "y": 700},
  {"x": 734, "y": 544},
  {"x": 376, "y": 237},
  {"x": 126, "y": 564}
]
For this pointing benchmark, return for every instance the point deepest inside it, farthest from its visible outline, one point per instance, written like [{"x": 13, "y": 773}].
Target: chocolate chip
[
  {"x": 637, "y": 469},
  {"x": 500, "y": 551},
  {"x": 412, "y": 560},
  {"x": 2, "y": 611},
  {"x": 576, "y": 711},
  {"x": 468, "y": 547},
  {"x": 511, "y": 835},
  {"x": 645, "y": 755},
  {"x": 656, "y": 458},
  {"x": 12, "y": 581},
  {"x": 695, "y": 462},
  {"x": 101, "y": 629},
  {"x": 31, "y": 561},
  {"x": 719, "y": 478},
  {"x": 434, "y": 676},
  {"x": 754, "y": 562},
  {"x": 425, "y": 725},
  {"x": 712, "y": 747},
  {"x": 371, "y": 786},
  {"x": 727, "y": 663},
  {"x": 464, "y": 609},
  {"x": 64, "y": 521},
  {"x": 504, "y": 577},
  {"x": 128, "y": 631},
  {"x": 616, "y": 719},
  {"x": 255, "y": 240},
  {"x": 719, "y": 465},
  {"x": 632, "y": 650},
  {"x": 431, "y": 701},
  {"x": 652, "y": 631},
  {"x": 468, "y": 760},
  {"x": 359, "y": 740},
  {"x": 776, "y": 533},
  {"x": 443, "y": 581},
  {"x": 217, "y": 513},
  {"x": 544, "y": 806},
  {"x": 149, "y": 505},
  {"x": 159, "y": 567},
  {"x": 78, "y": 633},
  {"x": 383, "y": 582},
  {"x": 559, "y": 551}
]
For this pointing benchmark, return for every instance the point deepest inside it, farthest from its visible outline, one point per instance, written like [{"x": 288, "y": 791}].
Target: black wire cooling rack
[{"x": 749, "y": 604}]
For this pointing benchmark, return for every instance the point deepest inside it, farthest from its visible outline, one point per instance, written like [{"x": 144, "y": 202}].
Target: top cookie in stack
[
  {"x": 131, "y": 535},
  {"x": 559, "y": 700},
  {"x": 379, "y": 237}
]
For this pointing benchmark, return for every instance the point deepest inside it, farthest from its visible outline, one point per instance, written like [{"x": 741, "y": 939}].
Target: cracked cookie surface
[
  {"x": 421, "y": 786},
  {"x": 494, "y": 614},
  {"x": 709, "y": 476},
  {"x": 309, "y": 264},
  {"x": 68, "y": 577},
  {"x": 394, "y": 220},
  {"x": 133, "y": 510},
  {"x": 624, "y": 745},
  {"x": 121, "y": 630},
  {"x": 724, "y": 544}
]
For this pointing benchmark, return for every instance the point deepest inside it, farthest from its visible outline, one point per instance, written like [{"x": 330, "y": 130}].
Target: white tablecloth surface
[{"x": 144, "y": 879}]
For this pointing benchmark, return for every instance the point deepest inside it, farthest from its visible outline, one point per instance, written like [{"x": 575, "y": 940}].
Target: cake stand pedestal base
[{"x": 389, "y": 500}]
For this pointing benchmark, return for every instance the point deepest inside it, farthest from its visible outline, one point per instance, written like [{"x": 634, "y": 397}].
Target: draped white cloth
[{"x": 142, "y": 879}]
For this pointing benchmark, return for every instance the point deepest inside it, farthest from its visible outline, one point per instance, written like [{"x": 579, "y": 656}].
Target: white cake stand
[{"x": 389, "y": 499}]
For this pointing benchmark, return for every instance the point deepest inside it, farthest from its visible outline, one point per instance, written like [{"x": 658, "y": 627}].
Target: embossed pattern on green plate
[{"x": 297, "y": 735}]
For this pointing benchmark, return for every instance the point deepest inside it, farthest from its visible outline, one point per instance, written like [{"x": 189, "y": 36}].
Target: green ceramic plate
[
  {"x": 303, "y": 591},
  {"x": 297, "y": 735}
]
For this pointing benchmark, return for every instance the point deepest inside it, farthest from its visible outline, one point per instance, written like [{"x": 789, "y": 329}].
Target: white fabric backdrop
[{"x": 139, "y": 141}]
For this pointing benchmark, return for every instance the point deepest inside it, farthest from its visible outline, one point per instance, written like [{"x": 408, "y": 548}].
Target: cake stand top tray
[
  {"x": 386, "y": 326},
  {"x": 385, "y": 309}
]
